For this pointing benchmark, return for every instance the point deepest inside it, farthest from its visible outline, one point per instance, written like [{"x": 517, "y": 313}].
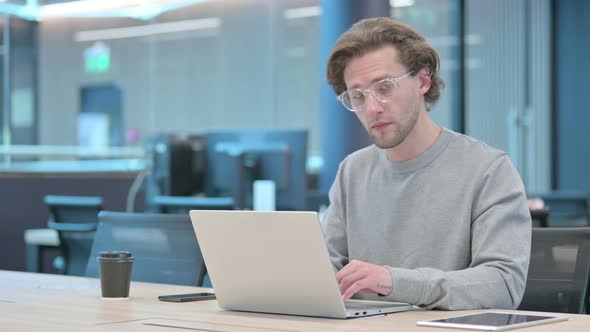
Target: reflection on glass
[{"x": 493, "y": 319}]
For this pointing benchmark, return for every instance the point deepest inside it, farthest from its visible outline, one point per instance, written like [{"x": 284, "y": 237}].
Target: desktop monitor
[
  {"x": 236, "y": 158},
  {"x": 177, "y": 165}
]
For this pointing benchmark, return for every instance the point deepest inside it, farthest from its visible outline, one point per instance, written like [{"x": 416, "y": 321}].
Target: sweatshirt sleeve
[
  {"x": 500, "y": 251},
  {"x": 334, "y": 225}
]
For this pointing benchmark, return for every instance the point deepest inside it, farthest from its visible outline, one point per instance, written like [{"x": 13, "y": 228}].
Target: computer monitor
[
  {"x": 236, "y": 158},
  {"x": 177, "y": 165}
]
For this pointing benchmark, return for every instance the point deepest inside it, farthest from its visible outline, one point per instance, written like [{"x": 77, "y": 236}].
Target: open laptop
[{"x": 275, "y": 262}]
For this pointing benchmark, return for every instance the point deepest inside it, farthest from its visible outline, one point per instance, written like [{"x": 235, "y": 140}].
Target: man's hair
[{"x": 371, "y": 34}]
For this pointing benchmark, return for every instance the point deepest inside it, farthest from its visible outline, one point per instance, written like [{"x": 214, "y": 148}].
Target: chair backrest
[
  {"x": 164, "y": 246},
  {"x": 75, "y": 219},
  {"x": 559, "y": 271},
  {"x": 182, "y": 205}
]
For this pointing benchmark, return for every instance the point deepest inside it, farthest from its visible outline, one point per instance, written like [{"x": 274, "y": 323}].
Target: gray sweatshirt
[{"x": 452, "y": 224}]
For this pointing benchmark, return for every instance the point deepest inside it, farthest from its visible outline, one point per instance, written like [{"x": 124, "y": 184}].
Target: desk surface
[{"x": 35, "y": 302}]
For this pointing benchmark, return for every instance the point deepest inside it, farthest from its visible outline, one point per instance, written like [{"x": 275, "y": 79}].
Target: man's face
[{"x": 389, "y": 123}]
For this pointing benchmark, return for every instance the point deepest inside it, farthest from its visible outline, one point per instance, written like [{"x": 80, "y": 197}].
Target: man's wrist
[
  {"x": 385, "y": 289},
  {"x": 386, "y": 284}
]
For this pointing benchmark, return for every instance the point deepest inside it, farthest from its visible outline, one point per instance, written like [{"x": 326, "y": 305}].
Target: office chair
[
  {"x": 75, "y": 219},
  {"x": 182, "y": 205},
  {"x": 164, "y": 246},
  {"x": 559, "y": 271}
]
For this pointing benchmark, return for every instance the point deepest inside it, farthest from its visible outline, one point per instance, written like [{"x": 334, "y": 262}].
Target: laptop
[{"x": 275, "y": 262}]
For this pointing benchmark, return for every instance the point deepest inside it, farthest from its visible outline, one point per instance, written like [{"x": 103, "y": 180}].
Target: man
[{"x": 425, "y": 216}]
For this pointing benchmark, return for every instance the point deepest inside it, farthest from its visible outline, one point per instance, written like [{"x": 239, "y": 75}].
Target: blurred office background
[{"x": 139, "y": 101}]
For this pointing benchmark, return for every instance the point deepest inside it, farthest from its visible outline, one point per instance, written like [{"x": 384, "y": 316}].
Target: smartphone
[{"x": 187, "y": 297}]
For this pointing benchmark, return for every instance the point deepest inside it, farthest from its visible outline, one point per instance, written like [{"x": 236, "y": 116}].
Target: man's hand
[{"x": 358, "y": 276}]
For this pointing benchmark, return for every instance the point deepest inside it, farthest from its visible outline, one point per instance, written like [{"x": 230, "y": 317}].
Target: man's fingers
[
  {"x": 356, "y": 287},
  {"x": 351, "y": 267},
  {"x": 359, "y": 276},
  {"x": 350, "y": 279}
]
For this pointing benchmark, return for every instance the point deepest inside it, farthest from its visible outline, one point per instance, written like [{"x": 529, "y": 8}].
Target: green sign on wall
[{"x": 97, "y": 58}]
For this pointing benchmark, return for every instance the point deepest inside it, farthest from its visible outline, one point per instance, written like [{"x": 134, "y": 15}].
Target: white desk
[{"x": 43, "y": 302}]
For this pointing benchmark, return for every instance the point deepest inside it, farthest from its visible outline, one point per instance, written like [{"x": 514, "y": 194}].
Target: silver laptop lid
[{"x": 274, "y": 262}]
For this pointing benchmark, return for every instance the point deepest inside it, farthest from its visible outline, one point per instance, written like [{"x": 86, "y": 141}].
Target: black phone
[{"x": 187, "y": 297}]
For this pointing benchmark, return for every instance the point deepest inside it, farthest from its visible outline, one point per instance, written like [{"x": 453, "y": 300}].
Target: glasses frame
[{"x": 365, "y": 92}]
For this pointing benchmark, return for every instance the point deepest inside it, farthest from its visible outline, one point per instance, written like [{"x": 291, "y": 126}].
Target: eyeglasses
[{"x": 355, "y": 100}]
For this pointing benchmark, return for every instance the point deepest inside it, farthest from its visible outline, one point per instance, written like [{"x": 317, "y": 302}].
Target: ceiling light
[
  {"x": 302, "y": 12},
  {"x": 148, "y": 30},
  {"x": 401, "y": 3}
]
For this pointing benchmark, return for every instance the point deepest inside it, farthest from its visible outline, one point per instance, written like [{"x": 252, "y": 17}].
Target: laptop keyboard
[{"x": 361, "y": 306}]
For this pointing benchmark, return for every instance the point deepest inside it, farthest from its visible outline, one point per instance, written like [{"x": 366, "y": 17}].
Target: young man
[{"x": 425, "y": 216}]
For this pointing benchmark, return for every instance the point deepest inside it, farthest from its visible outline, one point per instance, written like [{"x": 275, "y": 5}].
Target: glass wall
[
  {"x": 119, "y": 79},
  {"x": 213, "y": 65},
  {"x": 18, "y": 85}
]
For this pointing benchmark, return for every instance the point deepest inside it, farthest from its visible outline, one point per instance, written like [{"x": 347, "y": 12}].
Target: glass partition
[{"x": 117, "y": 73}]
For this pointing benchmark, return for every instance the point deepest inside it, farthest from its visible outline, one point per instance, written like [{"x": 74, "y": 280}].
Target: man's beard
[{"x": 405, "y": 127}]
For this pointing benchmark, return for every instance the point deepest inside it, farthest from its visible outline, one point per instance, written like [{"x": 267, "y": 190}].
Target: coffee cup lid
[{"x": 108, "y": 255}]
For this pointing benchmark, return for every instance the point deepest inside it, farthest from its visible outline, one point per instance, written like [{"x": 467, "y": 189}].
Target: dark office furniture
[
  {"x": 236, "y": 158},
  {"x": 567, "y": 208},
  {"x": 75, "y": 219},
  {"x": 540, "y": 217},
  {"x": 32, "y": 184},
  {"x": 559, "y": 271},
  {"x": 177, "y": 165},
  {"x": 38, "y": 241},
  {"x": 164, "y": 246},
  {"x": 181, "y": 205}
]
